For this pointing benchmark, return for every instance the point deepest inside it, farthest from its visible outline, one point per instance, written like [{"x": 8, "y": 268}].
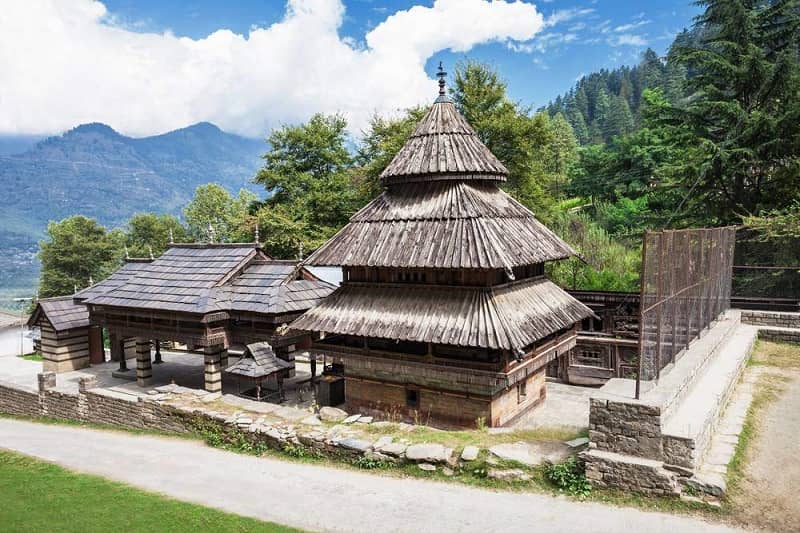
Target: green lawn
[
  {"x": 32, "y": 356},
  {"x": 39, "y": 496}
]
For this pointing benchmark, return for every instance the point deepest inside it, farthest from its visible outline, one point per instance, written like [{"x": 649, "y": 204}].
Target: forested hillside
[
  {"x": 609, "y": 103},
  {"x": 95, "y": 171}
]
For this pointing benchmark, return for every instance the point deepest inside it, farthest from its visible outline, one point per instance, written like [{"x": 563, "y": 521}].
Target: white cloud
[
  {"x": 65, "y": 62},
  {"x": 631, "y": 26},
  {"x": 563, "y": 15},
  {"x": 627, "y": 39}
]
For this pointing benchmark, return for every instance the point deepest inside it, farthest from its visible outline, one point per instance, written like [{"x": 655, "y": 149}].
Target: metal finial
[
  {"x": 151, "y": 251},
  {"x": 127, "y": 253},
  {"x": 300, "y": 250},
  {"x": 91, "y": 281},
  {"x": 171, "y": 236},
  {"x": 210, "y": 233},
  {"x": 441, "y": 74},
  {"x": 74, "y": 288},
  {"x": 257, "y": 235}
]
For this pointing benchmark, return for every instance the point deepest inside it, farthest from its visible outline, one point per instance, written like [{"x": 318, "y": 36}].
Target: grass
[
  {"x": 776, "y": 354},
  {"x": 32, "y": 356},
  {"x": 39, "y": 496}
]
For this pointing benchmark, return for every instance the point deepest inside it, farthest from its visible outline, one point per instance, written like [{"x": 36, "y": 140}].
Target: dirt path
[
  {"x": 316, "y": 497},
  {"x": 767, "y": 497}
]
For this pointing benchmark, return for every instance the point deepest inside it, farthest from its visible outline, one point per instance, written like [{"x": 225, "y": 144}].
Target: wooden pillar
[
  {"x": 144, "y": 369},
  {"x": 123, "y": 356},
  {"x": 212, "y": 356},
  {"x": 158, "y": 360},
  {"x": 117, "y": 346}
]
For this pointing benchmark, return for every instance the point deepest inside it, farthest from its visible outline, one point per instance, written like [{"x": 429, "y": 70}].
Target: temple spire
[
  {"x": 441, "y": 74},
  {"x": 257, "y": 236},
  {"x": 171, "y": 236},
  {"x": 150, "y": 248},
  {"x": 127, "y": 253}
]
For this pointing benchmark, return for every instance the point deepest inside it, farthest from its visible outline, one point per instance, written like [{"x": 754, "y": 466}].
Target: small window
[
  {"x": 412, "y": 398},
  {"x": 591, "y": 357},
  {"x": 522, "y": 391}
]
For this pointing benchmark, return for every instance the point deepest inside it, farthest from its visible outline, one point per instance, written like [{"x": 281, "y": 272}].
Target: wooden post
[
  {"x": 123, "y": 364},
  {"x": 158, "y": 359}
]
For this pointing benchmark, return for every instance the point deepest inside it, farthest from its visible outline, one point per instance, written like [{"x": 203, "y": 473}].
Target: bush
[
  {"x": 371, "y": 463},
  {"x": 569, "y": 476}
]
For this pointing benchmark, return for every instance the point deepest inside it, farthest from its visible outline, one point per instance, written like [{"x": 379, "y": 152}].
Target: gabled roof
[
  {"x": 445, "y": 224},
  {"x": 206, "y": 278},
  {"x": 129, "y": 269},
  {"x": 181, "y": 279},
  {"x": 443, "y": 146},
  {"x": 259, "y": 361},
  {"x": 62, "y": 313},
  {"x": 272, "y": 287},
  {"x": 510, "y": 316}
]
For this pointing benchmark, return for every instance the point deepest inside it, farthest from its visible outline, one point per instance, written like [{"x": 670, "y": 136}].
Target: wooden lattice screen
[{"x": 686, "y": 284}]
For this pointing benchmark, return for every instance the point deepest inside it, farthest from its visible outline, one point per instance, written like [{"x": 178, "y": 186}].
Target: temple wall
[
  {"x": 509, "y": 405},
  {"x": 388, "y": 401}
]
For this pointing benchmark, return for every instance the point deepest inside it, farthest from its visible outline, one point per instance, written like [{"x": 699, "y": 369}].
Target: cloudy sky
[{"x": 150, "y": 66}]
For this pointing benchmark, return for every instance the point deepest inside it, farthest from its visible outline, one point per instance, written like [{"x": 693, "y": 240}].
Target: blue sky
[
  {"x": 567, "y": 50},
  {"x": 148, "y": 66}
]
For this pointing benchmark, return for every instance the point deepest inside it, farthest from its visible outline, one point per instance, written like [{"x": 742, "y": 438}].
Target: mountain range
[{"x": 95, "y": 171}]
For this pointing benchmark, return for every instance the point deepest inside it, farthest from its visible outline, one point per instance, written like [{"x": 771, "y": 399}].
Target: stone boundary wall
[
  {"x": 95, "y": 405},
  {"x": 628, "y": 449},
  {"x": 771, "y": 318}
]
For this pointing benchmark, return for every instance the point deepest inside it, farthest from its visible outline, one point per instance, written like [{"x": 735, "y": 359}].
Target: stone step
[{"x": 688, "y": 428}]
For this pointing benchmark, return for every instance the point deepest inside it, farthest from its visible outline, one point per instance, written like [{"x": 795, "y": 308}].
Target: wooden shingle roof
[
  {"x": 510, "y": 316},
  {"x": 445, "y": 224},
  {"x": 62, "y": 312},
  {"x": 442, "y": 147}
]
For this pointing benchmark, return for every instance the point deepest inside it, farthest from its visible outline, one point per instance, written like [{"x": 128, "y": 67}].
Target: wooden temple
[
  {"x": 444, "y": 313},
  {"x": 207, "y": 297}
]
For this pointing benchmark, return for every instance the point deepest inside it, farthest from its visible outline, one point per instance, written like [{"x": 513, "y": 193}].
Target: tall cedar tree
[{"x": 740, "y": 130}]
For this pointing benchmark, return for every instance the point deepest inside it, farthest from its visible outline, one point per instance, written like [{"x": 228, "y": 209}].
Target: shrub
[{"x": 569, "y": 476}]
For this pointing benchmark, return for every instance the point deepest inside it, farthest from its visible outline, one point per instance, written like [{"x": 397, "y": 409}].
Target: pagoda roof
[
  {"x": 443, "y": 224},
  {"x": 510, "y": 316},
  {"x": 443, "y": 147}
]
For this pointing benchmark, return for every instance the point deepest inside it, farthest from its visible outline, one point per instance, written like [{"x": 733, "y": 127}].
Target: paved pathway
[{"x": 315, "y": 497}]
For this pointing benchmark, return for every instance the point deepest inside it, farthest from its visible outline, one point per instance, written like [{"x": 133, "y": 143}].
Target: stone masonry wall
[
  {"x": 771, "y": 318},
  {"x": 91, "y": 406},
  {"x": 626, "y": 428}
]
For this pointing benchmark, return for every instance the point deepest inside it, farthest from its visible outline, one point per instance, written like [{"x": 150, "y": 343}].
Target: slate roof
[
  {"x": 259, "y": 361},
  {"x": 206, "y": 278},
  {"x": 129, "y": 269},
  {"x": 452, "y": 224},
  {"x": 62, "y": 312},
  {"x": 509, "y": 316}
]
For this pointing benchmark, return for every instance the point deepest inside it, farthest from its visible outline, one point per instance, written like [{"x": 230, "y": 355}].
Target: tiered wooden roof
[
  {"x": 207, "y": 278},
  {"x": 443, "y": 209},
  {"x": 62, "y": 312},
  {"x": 509, "y": 316},
  {"x": 129, "y": 269},
  {"x": 442, "y": 147},
  {"x": 445, "y": 224}
]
